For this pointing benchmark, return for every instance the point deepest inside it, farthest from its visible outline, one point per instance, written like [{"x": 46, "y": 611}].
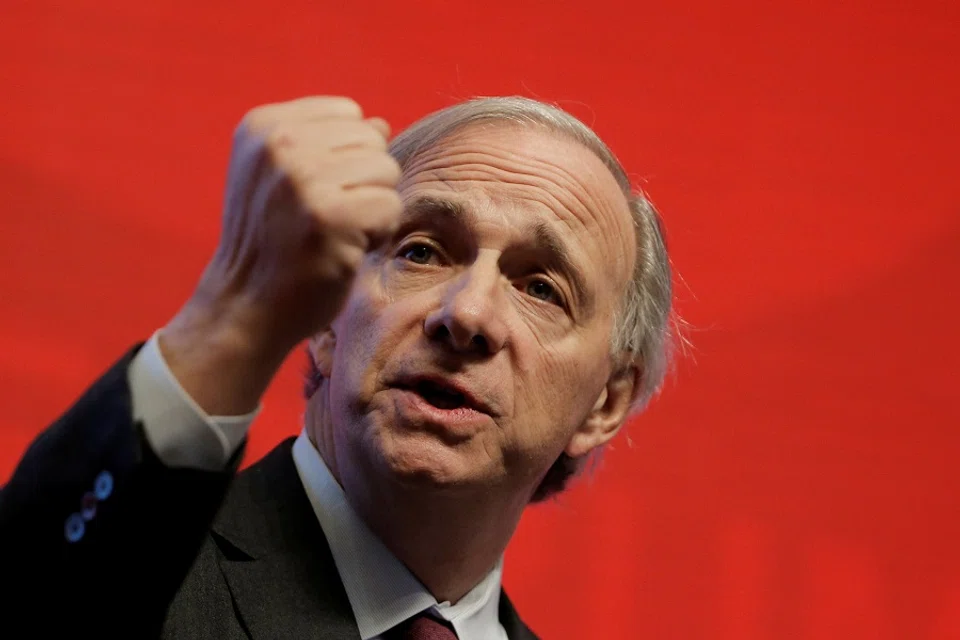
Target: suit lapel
[
  {"x": 278, "y": 565},
  {"x": 275, "y": 558},
  {"x": 512, "y": 624}
]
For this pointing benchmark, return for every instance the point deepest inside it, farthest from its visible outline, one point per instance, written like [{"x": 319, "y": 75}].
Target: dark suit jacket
[{"x": 157, "y": 559}]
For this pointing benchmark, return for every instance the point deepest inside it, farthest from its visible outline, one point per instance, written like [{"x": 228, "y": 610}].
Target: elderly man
[{"x": 484, "y": 300}]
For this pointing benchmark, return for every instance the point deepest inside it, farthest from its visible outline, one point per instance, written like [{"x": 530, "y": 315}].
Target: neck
[
  {"x": 449, "y": 539},
  {"x": 449, "y": 543}
]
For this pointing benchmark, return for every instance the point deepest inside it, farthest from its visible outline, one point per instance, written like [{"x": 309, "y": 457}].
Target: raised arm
[{"x": 108, "y": 507}]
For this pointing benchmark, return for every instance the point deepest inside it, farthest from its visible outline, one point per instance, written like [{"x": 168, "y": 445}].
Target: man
[{"x": 483, "y": 302}]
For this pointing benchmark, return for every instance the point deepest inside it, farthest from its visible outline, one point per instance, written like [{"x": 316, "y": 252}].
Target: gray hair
[{"x": 643, "y": 333}]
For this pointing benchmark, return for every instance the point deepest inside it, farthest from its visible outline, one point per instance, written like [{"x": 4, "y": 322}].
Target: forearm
[{"x": 222, "y": 355}]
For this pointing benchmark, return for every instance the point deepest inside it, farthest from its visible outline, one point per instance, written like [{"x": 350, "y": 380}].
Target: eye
[
  {"x": 419, "y": 253},
  {"x": 542, "y": 290}
]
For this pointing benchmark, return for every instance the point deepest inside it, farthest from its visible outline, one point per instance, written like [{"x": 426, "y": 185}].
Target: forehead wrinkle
[
  {"x": 576, "y": 197},
  {"x": 556, "y": 199},
  {"x": 585, "y": 203},
  {"x": 540, "y": 200},
  {"x": 455, "y": 157},
  {"x": 581, "y": 195},
  {"x": 465, "y": 144}
]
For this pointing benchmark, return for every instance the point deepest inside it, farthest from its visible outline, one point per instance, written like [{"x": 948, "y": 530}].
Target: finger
[
  {"x": 381, "y": 125},
  {"x": 312, "y": 108},
  {"x": 345, "y": 169},
  {"x": 328, "y": 134},
  {"x": 361, "y": 167},
  {"x": 344, "y": 250},
  {"x": 376, "y": 210},
  {"x": 364, "y": 217},
  {"x": 320, "y": 107},
  {"x": 373, "y": 211}
]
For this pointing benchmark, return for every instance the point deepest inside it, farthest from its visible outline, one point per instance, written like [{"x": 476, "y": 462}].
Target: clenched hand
[{"x": 310, "y": 189}]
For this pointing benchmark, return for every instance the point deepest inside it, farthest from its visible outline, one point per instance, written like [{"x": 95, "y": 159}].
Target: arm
[
  {"x": 113, "y": 501},
  {"x": 93, "y": 515},
  {"x": 109, "y": 506}
]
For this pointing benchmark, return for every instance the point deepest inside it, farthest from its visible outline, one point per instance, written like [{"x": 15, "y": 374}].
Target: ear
[
  {"x": 321, "y": 347},
  {"x": 608, "y": 414}
]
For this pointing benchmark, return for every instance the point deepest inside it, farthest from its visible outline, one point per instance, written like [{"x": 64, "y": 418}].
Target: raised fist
[{"x": 310, "y": 189}]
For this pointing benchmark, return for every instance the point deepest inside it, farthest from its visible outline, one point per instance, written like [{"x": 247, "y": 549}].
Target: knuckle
[
  {"x": 279, "y": 137},
  {"x": 370, "y": 136},
  {"x": 348, "y": 106},
  {"x": 392, "y": 203},
  {"x": 358, "y": 134},
  {"x": 257, "y": 119},
  {"x": 279, "y": 159},
  {"x": 349, "y": 256},
  {"x": 335, "y": 105},
  {"x": 321, "y": 199},
  {"x": 392, "y": 167}
]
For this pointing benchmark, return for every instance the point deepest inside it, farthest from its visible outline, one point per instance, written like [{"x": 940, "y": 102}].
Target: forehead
[{"x": 524, "y": 177}]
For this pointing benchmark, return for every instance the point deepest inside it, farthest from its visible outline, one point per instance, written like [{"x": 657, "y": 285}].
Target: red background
[{"x": 795, "y": 480}]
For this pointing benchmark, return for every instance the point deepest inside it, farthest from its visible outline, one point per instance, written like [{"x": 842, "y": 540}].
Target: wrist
[{"x": 219, "y": 357}]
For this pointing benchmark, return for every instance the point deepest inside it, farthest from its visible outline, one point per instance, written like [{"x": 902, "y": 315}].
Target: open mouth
[{"x": 439, "y": 395}]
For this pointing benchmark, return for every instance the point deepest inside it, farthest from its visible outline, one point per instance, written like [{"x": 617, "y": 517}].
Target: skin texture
[
  {"x": 495, "y": 263},
  {"x": 310, "y": 189},
  {"x": 471, "y": 290}
]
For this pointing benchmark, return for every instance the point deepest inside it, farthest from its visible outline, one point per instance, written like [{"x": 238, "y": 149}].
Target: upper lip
[{"x": 470, "y": 399}]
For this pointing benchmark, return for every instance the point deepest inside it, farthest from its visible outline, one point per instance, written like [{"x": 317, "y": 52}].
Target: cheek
[
  {"x": 558, "y": 388},
  {"x": 372, "y": 327},
  {"x": 358, "y": 339}
]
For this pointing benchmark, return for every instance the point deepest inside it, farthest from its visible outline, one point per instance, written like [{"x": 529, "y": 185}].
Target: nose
[{"x": 470, "y": 318}]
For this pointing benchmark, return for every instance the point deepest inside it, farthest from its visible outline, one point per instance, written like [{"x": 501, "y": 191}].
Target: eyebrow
[
  {"x": 553, "y": 245},
  {"x": 547, "y": 240},
  {"x": 429, "y": 207}
]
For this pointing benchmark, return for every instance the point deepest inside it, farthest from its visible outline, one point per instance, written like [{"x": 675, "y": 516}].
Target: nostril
[
  {"x": 442, "y": 332},
  {"x": 458, "y": 337},
  {"x": 479, "y": 342}
]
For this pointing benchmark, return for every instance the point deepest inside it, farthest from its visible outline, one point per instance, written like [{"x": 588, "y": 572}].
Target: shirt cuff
[{"x": 179, "y": 431}]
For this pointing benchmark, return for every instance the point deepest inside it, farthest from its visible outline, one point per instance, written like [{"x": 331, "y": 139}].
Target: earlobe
[
  {"x": 321, "y": 348},
  {"x": 608, "y": 414}
]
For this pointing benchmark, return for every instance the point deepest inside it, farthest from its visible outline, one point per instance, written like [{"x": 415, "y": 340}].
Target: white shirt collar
[{"x": 382, "y": 591}]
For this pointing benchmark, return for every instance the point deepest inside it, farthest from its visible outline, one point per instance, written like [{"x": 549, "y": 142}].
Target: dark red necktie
[{"x": 422, "y": 627}]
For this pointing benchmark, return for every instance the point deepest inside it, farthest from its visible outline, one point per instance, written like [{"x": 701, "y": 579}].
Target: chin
[{"x": 423, "y": 460}]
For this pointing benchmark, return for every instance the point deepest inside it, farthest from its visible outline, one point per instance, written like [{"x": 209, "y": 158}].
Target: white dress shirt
[{"x": 381, "y": 590}]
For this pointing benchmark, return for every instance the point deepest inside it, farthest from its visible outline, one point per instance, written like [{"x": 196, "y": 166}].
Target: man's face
[{"x": 474, "y": 347}]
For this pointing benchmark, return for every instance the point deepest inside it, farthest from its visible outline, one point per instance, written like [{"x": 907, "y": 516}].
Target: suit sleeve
[{"x": 96, "y": 532}]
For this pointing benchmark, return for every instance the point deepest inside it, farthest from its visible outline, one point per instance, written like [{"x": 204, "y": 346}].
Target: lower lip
[{"x": 461, "y": 421}]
